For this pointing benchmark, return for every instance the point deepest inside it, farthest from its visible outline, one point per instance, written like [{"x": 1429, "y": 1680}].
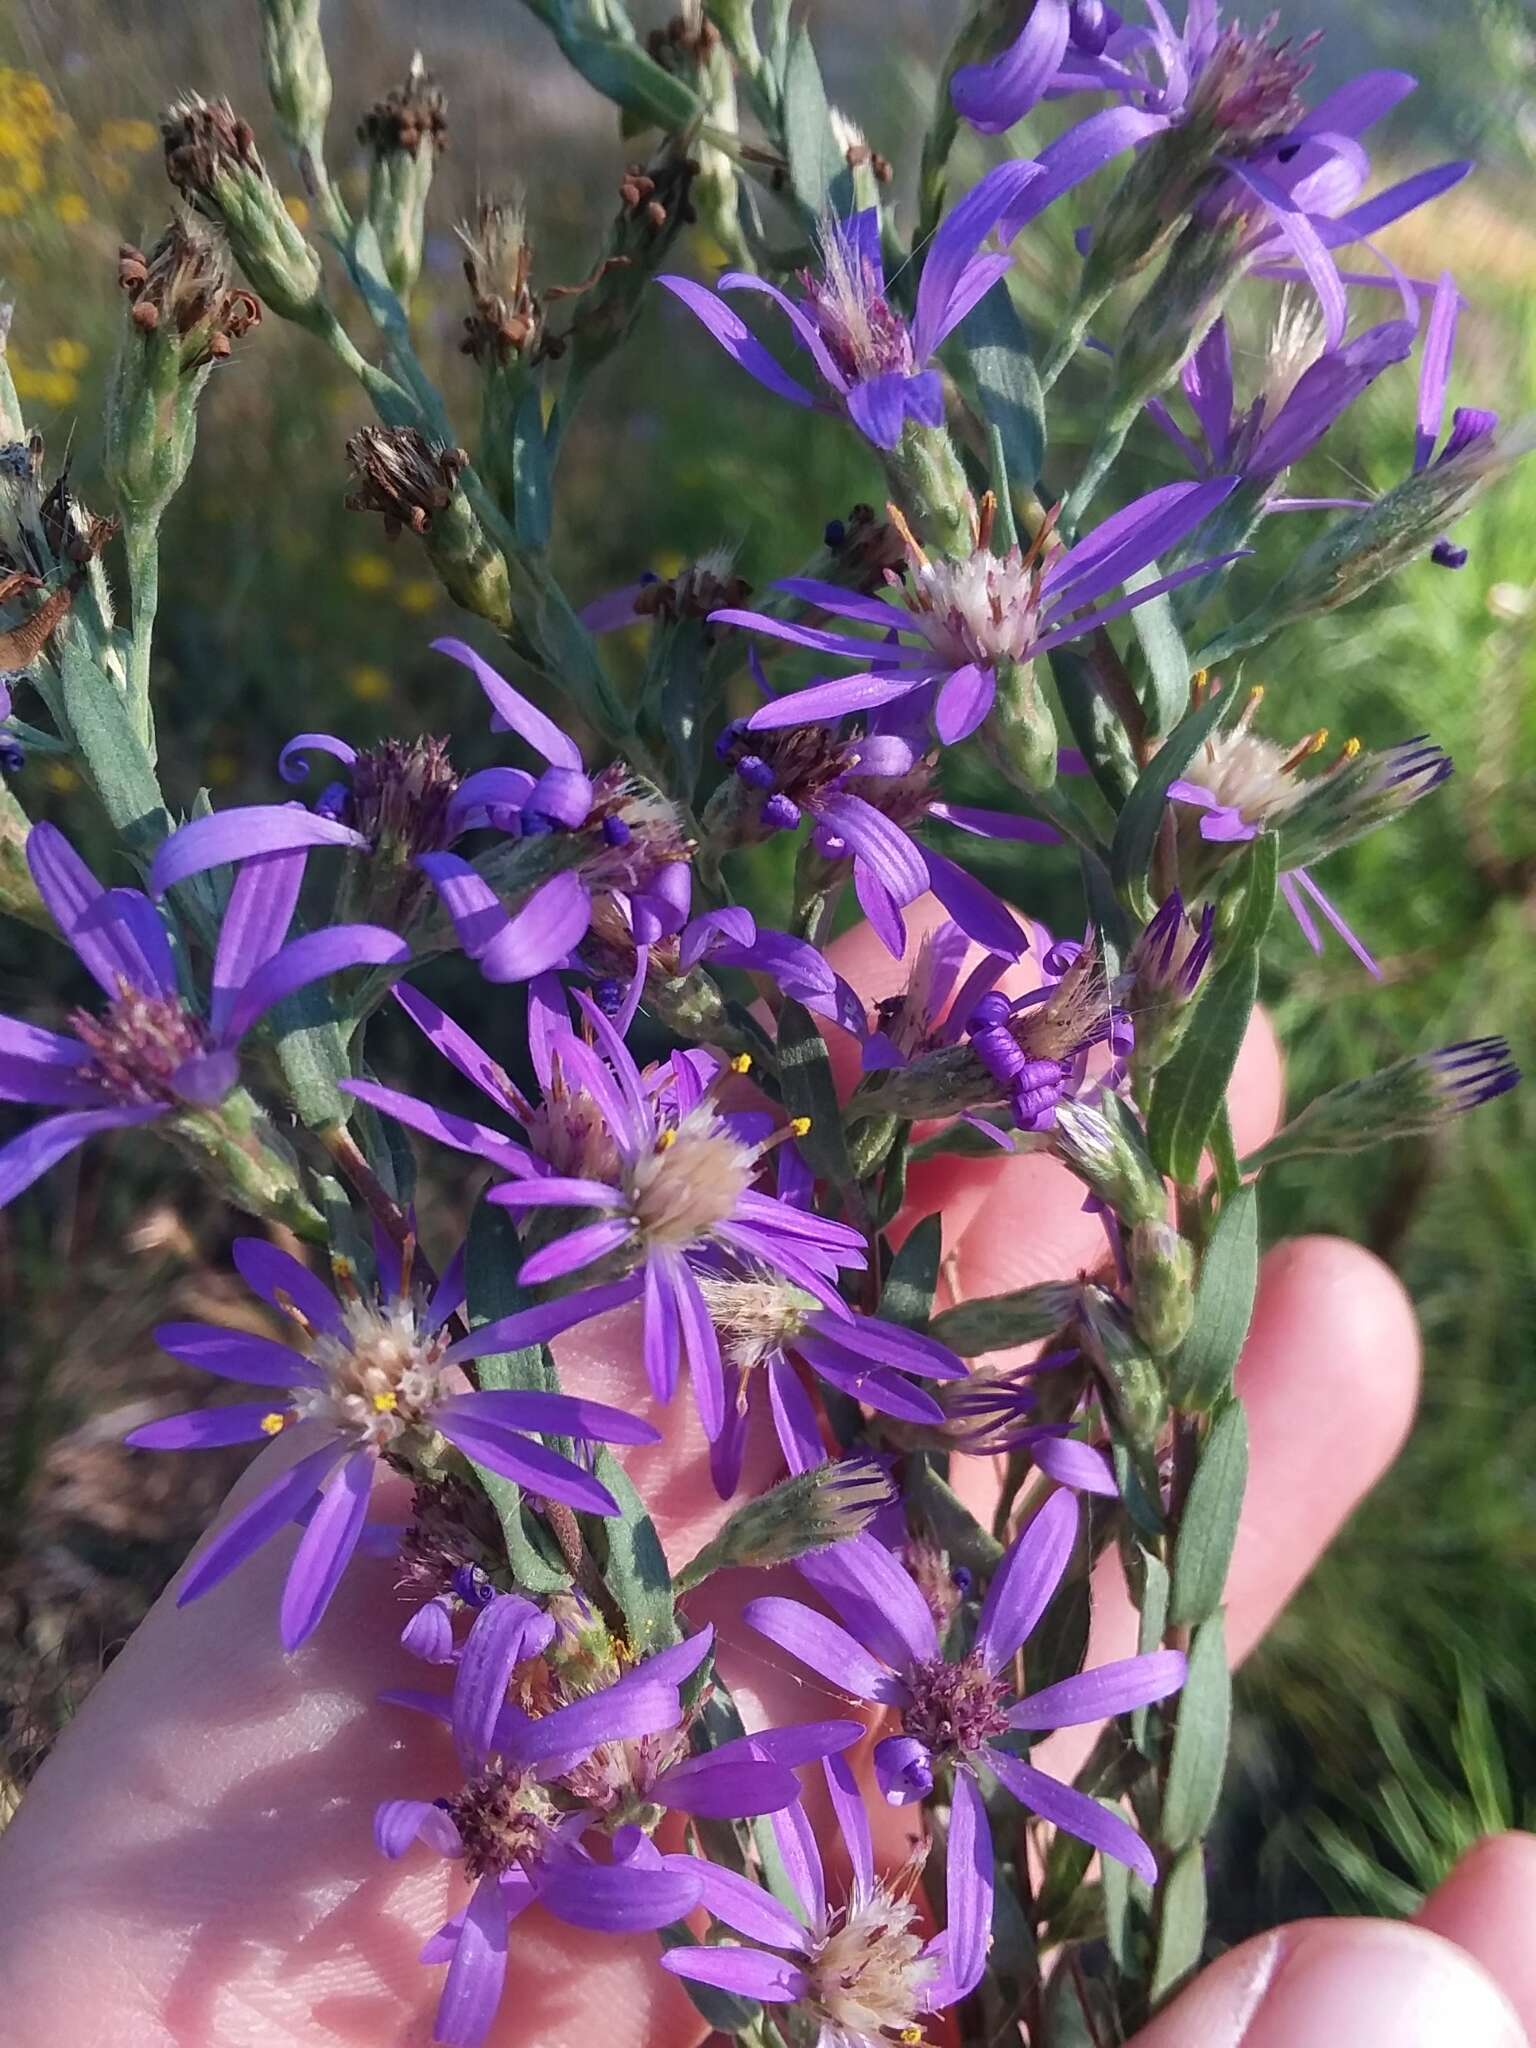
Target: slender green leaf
[
  {"x": 907, "y": 1296},
  {"x": 119, "y": 765},
  {"x": 634, "y": 1563},
  {"x": 1229, "y": 1276},
  {"x": 1208, "y": 1528},
  {"x": 1192, "y": 1087},
  {"x": 1099, "y": 734},
  {"x": 1189, "y": 1093},
  {"x": 1007, "y": 386},
  {"x": 1198, "y": 1761},
  {"x": 1181, "y": 1923},
  {"x": 491, "y": 1262},
  {"x": 1151, "y": 1596},
  {"x": 805, "y": 1076},
  {"x": 954, "y": 1527},
  {"x": 818, "y": 168},
  {"x": 1164, "y": 690},
  {"x": 530, "y": 469},
  {"x": 1137, "y": 826}
]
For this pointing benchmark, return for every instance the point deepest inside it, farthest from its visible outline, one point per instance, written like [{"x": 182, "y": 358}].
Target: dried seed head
[
  {"x": 182, "y": 288},
  {"x": 707, "y": 585},
  {"x": 411, "y": 117},
  {"x": 403, "y": 476},
  {"x": 204, "y": 142}
]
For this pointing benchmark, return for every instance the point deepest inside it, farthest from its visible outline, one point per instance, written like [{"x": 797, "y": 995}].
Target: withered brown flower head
[
  {"x": 410, "y": 115},
  {"x": 865, "y": 546},
  {"x": 508, "y": 319},
  {"x": 655, "y": 195},
  {"x": 707, "y": 585},
  {"x": 402, "y": 476},
  {"x": 201, "y": 137},
  {"x": 183, "y": 284}
]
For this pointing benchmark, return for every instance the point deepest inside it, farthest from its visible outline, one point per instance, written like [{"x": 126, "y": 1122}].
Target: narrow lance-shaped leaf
[
  {"x": 1224, "y": 1295},
  {"x": 1137, "y": 828},
  {"x": 1181, "y": 1923},
  {"x": 1199, "y": 1757},
  {"x": 805, "y": 1076},
  {"x": 491, "y": 1262},
  {"x": 907, "y": 1296},
  {"x": 818, "y": 168},
  {"x": 634, "y": 1563},
  {"x": 1164, "y": 689},
  {"x": 1191, "y": 1089},
  {"x": 1208, "y": 1529},
  {"x": 1007, "y": 386}
]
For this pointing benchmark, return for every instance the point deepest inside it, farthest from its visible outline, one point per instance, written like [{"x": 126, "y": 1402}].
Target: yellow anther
[
  {"x": 1350, "y": 749},
  {"x": 1318, "y": 741},
  {"x": 387, "y": 1403},
  {"x": 665, "y": 1140},
  {"x": 911, "y": 2037},
  {"x": 798, "y": 1126},
  {"x": 742, "y": 1064},
  {"x": 273, "y": 1424},
  {"x": 1200, "y": 678},
  {"x": 1256, "y": 694}
]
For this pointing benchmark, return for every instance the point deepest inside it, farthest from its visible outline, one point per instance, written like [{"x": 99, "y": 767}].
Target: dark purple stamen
[
  {"x": 615, "y": 831},
  {"x": 1446, "y": 555},
  {"x": 536, "y": 825},
  {"x": 13, "y": 755},
  {"x": 472, "y": 1586},
  {"x": 753, "y": 770},
  {"x": 780, "y": 813},
  {"x": 608, "y": 995},
  {"x": 334, "y": 801}
]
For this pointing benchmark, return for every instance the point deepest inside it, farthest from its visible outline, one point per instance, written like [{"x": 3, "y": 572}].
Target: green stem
[
  {"x": 1112, "y": 438},
  {"x": 1070, "y": 340},
  {"x": 141, "y": 543}
]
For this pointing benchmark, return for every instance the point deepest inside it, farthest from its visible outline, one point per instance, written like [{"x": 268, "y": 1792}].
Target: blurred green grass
[{"x": 280, "y": 610}]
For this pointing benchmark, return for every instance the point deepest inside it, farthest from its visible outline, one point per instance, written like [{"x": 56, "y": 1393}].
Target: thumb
[{"x": 1340, "y": 1984}]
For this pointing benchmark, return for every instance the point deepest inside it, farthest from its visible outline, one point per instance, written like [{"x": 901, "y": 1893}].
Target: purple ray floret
[
  {"x": 366, "y": 1385},
  {"x": 149, "y": 1052},
  {"x": 871, "y": 362},
  {"x": 884, "y": 1647}
]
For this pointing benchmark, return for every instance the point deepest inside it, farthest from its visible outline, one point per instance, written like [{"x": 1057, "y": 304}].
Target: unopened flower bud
[
  {"x": 211, "y": 158},
  {"x": 183, "y": 318},
  {"x": 997, "y": 1322},
  {"x": 414, "y": 484},
  {"x": 1365, "y": 790},
  {"x": 806, "y": 1512},
  {"x": 1132, "y": 1382},
  {"x": 298, "y": 77},
  {"x": 1103, "y": 1146},
  {"x": 1359, "y": 551},
  {"x": 1412, "y": 1096},
  {"x": 1176, "y": 312},
  {"x": 1020, "y": 733},
  {"x": 1163, "y": 970},
  {"x": 1163, "y": 1279},
  {"x": 406, "y": 132}
]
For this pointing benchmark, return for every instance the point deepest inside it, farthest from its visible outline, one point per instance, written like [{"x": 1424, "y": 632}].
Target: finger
[
  {"x": 1487, "y": 1906},
  {"x": 1340, "y": 1984},
  {"x": 1329, "y": 1378}
]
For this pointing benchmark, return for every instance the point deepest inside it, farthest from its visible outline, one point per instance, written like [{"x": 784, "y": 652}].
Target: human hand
[{"x": 194, "y": 1867}]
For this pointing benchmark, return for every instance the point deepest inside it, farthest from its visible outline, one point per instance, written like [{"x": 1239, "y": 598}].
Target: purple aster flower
[
  {"x": 1243, "y": 784},
  {"x": 863, "y": 793},
  {"x": 858, "y": 1973},
  {"x": 667, "y": 1177},
  {"x": 625, "y": 863},
  {"x": 148, "y": 1052},
  {"x": 1305, "y": 389},
  {"x": 933, "y": 1009},
  {"x": 966, "y": 618},
  {"x": 598, "y": 1768},
  {"x": 872, "y": 363},
  {"x": 1037, "y": 1047},
  {"x": 884, "y": 1647},
  {"x": 766, "y": 1326},
  {"x": 1470, "y": 425},
  {"x": 368, "y": 1384}
]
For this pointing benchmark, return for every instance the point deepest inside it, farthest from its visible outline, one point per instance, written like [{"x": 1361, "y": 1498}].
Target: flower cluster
[{"x": 679, "y": 1122}]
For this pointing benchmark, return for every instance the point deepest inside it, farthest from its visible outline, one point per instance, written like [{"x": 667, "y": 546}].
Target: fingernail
[{"x": 1356, "y": 1983}]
